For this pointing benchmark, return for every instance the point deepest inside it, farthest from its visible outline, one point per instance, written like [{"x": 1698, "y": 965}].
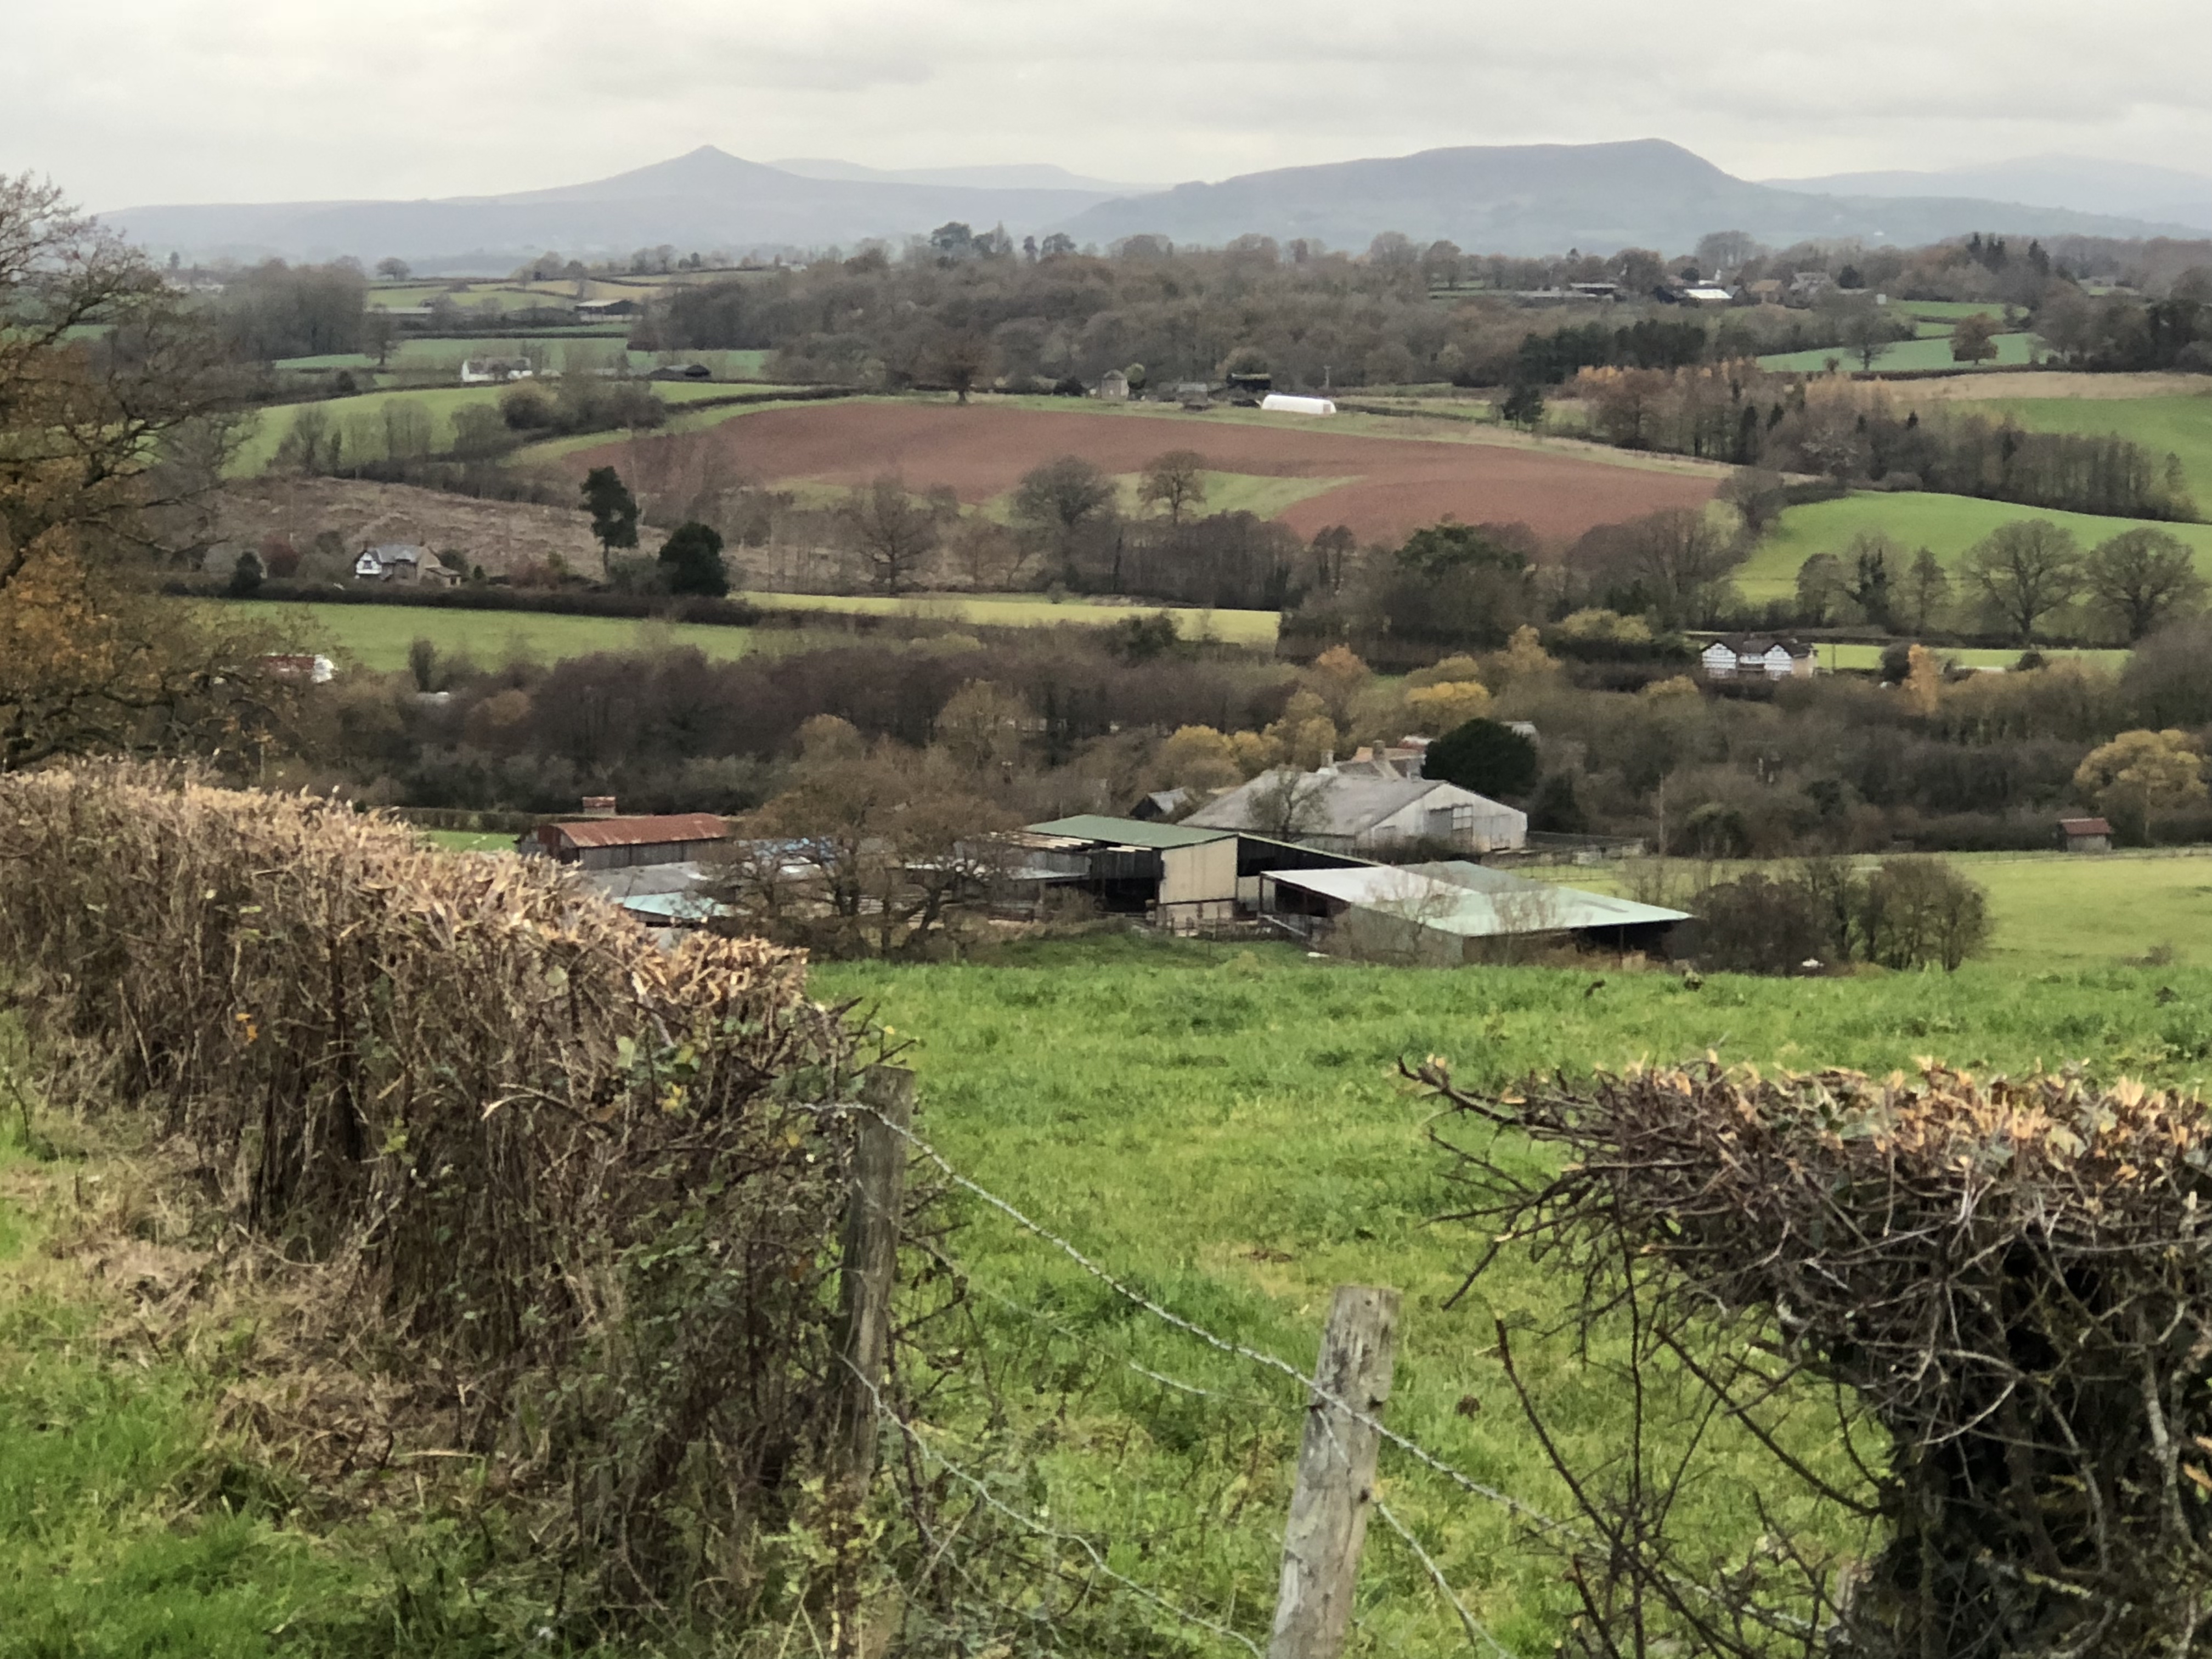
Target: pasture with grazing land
[{"x": 1947, "y": 524}]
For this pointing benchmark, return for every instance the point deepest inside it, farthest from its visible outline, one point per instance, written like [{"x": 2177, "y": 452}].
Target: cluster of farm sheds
[{"x": 1326, "y": 880}]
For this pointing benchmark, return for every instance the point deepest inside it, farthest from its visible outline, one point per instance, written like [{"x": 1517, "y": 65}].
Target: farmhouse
[
  {"x": 491, "y": 371},
  {"x": 617, "y": 843},
  {"x": 1342, "y": 813},
  {"x": 394, "y": 562},
  {"x": 2085, "y": 836},
  {"x": 1455, "y": 912},
  {"x": 1752, "y": 656}
]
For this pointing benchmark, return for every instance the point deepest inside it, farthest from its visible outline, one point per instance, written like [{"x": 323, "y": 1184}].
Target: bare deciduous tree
[
  {"x": 1176, "y": 481},
  {"x": 895, "y": 533}
]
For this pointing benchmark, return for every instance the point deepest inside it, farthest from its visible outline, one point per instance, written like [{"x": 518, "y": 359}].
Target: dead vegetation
[
  {"x": 501, "y": 1180},
  {"x": 1965, "y": 1319}
]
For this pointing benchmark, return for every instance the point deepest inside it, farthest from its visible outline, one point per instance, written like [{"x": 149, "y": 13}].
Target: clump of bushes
[
  {"x": 1823, "y": 913},
  {"x": 1961, "y": 1320},
  {"x": 564, "y": 1180}
]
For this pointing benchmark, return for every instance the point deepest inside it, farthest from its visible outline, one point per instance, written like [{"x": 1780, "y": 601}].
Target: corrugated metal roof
[
  {"x": 1345, "y": 806},
  {"x": 644, "y": 832},
  {"x": 1127, "y": 832},
  {"x": 1447, "y": 907},
  {"x": 2085, "y": 826}
]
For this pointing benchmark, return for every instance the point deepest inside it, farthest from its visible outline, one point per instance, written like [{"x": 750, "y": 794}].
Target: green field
[
  {"x": 2013, "y": 350},
  {"x": 1018, "y": 611},
  {"x": 440, "y": 403},
  {"x": 1220, "y": 1126},
  {"x": 507, "y": 298},
  {"x": 1223, "y": 1127},
  {"x": 1949, "y": 524},
  {"x": 2179, "y": 426},
  {"x": 570, "y": 347},
  {"x": 377, "y": 635},
  {"x": 1834, "y": 655}
]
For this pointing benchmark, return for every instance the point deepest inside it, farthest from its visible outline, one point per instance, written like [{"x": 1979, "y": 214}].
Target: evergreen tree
[
  {"x": 612, "y": 507},
  {"x": 692, "y": 556}
]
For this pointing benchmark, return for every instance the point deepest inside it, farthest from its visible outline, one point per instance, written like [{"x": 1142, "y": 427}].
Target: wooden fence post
[
  {"x": 868, "y": 1276},
  {"x": 1336, "y": 1476}
]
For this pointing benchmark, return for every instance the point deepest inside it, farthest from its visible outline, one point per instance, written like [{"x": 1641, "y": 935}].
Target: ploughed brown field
[{"x": 1397, "y": 484}]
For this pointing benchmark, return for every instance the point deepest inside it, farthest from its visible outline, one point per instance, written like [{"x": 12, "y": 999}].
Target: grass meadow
[
  {"x": 1949, "y": 524},
  {"x": 1223, "y": 1127},
  {"x": 440, "y": 403},
  {"x": 377, "y": 635},
  {"x": 1929, "y": 351},
  {"x": 2179, "y": 426}
]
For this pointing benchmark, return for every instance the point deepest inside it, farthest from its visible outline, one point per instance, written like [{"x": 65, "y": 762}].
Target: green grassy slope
[
  {"x": 2178, "y": 426},
  {"x": 440, "y": 401},
  {"x": 378, "y": 635},
  {"x": 1931, "y": 352},
  {"x": 1949, "y": 525},
  {"x": 1223, "y": 1127}
]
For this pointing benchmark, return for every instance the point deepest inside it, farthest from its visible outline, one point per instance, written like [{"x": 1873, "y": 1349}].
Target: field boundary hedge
[{"x": 564, "y": 1180}]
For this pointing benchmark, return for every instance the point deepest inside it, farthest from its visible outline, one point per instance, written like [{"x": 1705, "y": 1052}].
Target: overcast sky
[{"x": 137, "y": 101}]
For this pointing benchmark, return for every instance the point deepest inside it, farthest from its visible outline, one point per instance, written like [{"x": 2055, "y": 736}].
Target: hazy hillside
[
  {"x": 1544, "y": 198},
  {"x": 1530, "y": 199},
  {"x": 2080, "y": 182},
  {"x": 706, "y": 199}
]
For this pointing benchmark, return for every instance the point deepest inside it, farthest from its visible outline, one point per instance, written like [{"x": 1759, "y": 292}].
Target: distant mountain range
[
  {"x": 1545, "y": 198},
  {"x": 2080, "y": 182},
  {"x": 1520, "y": 199}
]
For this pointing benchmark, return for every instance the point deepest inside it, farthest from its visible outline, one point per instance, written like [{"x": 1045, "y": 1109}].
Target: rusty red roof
[
  {"x": 642, "y": 832},
  {"x": 2085, "y": 826}
]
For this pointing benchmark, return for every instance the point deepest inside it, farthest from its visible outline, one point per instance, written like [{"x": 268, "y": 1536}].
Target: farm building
[
  {"x": 619, "y": 844},
  {"x": 493, "y": 371},
  {"x": 1281, "y": 403},
  {"x": 1444, "y": 915},
  {"x": 1751, "y": 656},
  {"x": 1114, "y": 386},
  {"x": 2085, "y": 836},
  {"x": 1344, "y": 812},
  {"x": 1178, "y": 875},
  {"x": 658, "y": 894}
]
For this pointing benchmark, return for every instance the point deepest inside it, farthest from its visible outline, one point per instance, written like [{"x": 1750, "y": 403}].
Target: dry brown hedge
[{"x": 568, "y": 1174}]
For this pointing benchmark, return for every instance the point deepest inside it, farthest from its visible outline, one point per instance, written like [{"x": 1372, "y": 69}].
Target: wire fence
[{"x": 1309, "y": 1391}]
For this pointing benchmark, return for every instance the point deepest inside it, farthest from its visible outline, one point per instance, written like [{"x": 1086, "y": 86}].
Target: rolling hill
[
  {"x": 706, "y": 199},
  {"x": 1526, "y": 199},
  {"x": 2054, "y": 181},
  {"x": 1545, "y": 198}
]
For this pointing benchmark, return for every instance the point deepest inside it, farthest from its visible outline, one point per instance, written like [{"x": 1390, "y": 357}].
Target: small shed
[
  {"x": 1114, "y": 386},
  {"x": 619, "y": 844},
  {"x": 2085, "y": 836}
]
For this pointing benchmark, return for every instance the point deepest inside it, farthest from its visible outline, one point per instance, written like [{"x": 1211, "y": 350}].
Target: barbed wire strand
[
  {"x": 1478, "y": 1634},
  {"x": 1412, "y": 1449},
  {"x": 1030, "y": 1523}
]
